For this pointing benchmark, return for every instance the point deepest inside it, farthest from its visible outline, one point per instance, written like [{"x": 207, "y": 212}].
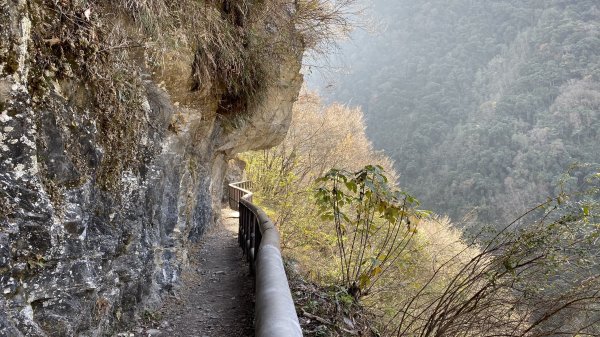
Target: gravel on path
[{"x": 216, "y": 298}]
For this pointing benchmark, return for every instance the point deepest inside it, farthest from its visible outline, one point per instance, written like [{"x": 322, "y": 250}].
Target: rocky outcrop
[
  {"x": 104, "y": 182},
  {"x": 268, "y": 121}
]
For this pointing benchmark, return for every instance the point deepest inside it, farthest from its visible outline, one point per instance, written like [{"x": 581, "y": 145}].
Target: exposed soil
[{"x": 216, "y": 298}]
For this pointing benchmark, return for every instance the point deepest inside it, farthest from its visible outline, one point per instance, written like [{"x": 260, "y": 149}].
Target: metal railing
[
  {"x": 237, "y": 191},
  {"x": 275, "y": 314}
]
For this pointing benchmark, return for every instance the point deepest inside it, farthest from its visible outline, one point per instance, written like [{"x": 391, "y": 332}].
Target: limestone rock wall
[{"x": 97, "y": 204}]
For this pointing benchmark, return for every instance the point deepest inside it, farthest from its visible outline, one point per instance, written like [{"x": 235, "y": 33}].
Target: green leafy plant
[{"x": 374, "y": 223}]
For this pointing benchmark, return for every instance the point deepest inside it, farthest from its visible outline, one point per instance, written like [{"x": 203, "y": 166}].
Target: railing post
[
  {"x": 242, "y": 211},
  {"x": 258, "y": 237},
  {"x": 248, "y": 234},
  {"x": 253, "y": 247}
]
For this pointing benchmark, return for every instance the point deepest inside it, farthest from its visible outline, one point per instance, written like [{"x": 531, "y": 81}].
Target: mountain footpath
[{"x": 216, "y": 297}]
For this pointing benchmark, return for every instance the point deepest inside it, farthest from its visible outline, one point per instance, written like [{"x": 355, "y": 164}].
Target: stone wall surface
[{"x": 95, "y": 226}]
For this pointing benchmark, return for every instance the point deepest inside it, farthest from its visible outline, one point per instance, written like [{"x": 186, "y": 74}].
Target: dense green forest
[
  {"x": 367, "y": 248},
  {"x": 482, "y": 105}
]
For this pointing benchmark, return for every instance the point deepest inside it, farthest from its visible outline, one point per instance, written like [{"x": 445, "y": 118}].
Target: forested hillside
[
  {"x": 365, "y": 252},
  {"x": 482, "y": 104}
]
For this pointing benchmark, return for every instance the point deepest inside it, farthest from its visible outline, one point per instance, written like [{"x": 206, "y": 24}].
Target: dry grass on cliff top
[
  {"x": 225, "y": 49},
  {"x": 204, "y": 53},
  {"x": 238, "y": 45}
]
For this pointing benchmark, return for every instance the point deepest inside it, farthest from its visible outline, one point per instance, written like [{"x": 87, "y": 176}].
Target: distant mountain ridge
[{"x": 482, "y": 104}]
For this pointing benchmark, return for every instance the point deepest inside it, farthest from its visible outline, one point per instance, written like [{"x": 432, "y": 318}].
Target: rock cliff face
[{"x": 107, "y": 173}]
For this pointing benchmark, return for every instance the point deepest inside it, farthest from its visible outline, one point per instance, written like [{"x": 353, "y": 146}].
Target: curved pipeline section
[{"x": 275, "y": 314}]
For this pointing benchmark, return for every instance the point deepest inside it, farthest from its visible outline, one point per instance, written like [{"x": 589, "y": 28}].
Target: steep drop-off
[
  {"x": 114, "y": 141},
  {"x": 483, "y": 105}
]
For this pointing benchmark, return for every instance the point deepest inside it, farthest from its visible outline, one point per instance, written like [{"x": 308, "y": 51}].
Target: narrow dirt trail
[{"x": 216, "y": 298}]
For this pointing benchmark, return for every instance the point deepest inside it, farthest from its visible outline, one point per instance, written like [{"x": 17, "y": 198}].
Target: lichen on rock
[{"x": 113, "y": 148}]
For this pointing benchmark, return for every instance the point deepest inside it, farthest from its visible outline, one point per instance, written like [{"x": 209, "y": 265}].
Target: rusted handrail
[{"x": 275, "y": 315}]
